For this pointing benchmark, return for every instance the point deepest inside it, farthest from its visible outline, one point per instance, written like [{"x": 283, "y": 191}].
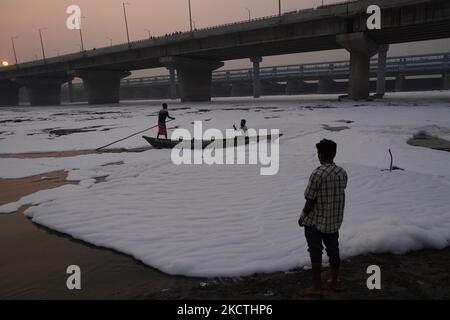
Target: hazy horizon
[{"x": 104, "y": 20}]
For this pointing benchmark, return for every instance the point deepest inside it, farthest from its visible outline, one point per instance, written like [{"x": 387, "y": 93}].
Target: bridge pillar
[
  {"x": 102, "y": 86},
  {"x": 400, "y": 78},
  {"x": 9, "y": 93},
  {"x": 79, "y": 93},
  {"x": 70, "y": 88},
  {"x": 194, "y": 76},
  {"x": 220, "y": 89},
  {"x": 43, "y": 91},
  {"x": 173, "y": 84},
  {"x": 142, "y": 92},
  {"x": 256, "y": 79},
  {"x": 446, "y": 74},
  {"x": 240, "y": 89},
  {"x": 126, "y": 92},
  {"x": 295, "y": 86},
  {"x": 159, "y": 92},
  {"x": 381, "y": 71},
  {"x": 400, "y": 82},
  {"x": 361, "y": 49},
  {"x": 325, "y": 85},
  {"x": 272, "y": 88},
  {"x": 445, "y": 81}
]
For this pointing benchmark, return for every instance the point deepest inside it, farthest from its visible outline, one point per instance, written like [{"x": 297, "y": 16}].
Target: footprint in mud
[
  {"x": 272, "y": 117},
  {"x": 15, "y": 120},
  {"x": 62, "y": 114},
  {"x": 63, "y": 132},
  {"x": 345, "y": 121},
  {"x": 180, "y": 108},
  {"x": 200, "y": 111},
  {"x": 93, "y": 118},
  {"x": 266, "y": 108},
  {"x": 335, "y": 129},
  {"x": 235, "y": 109},
  {"x": 206, "y": 120},
  {"x": 319, "y": 106}
]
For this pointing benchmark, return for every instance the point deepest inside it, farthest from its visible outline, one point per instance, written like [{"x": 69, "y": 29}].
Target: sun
[{"x": 5, "y": 63}]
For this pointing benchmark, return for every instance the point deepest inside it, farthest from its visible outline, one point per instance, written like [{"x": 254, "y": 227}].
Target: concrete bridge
[
  {"x": 413, "y": 72},
  {"x": 403, "y": 73},
  {"x": 194, "y": 55}
]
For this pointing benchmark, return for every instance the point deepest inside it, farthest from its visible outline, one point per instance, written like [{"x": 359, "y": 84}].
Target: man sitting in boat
[
  {"x": 243, "y": 129},
  {"x": 162, "y": 116}
]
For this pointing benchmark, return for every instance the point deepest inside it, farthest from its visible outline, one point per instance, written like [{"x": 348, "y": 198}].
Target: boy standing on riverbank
[{"x": 323, "y": 214}]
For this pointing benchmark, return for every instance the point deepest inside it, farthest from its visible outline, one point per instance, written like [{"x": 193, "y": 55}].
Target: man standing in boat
[
  {"x": 162, "y": 116},
  {"x": 243, "y": 129}
]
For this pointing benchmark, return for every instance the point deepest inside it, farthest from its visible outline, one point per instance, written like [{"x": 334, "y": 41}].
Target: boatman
[
  {"x": 323, "y": 214},
  {"x": 243, "y": 129},
  {"x": 162, "y": 116}
]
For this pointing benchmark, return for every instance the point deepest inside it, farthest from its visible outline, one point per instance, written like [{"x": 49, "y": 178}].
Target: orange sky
[{"x": 104, "y": 18}]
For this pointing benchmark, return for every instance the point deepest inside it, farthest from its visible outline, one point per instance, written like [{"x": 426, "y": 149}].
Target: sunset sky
[{"x": 104, "y": 18}]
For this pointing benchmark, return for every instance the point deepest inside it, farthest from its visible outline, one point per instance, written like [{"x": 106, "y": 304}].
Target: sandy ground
[
  {"x": 14, "y": 189},
  {"x": 34, "y": 259},
  {"x": 417, "y": 275}
]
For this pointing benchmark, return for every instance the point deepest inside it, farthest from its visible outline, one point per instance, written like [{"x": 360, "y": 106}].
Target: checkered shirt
[{"x": 327, "y": 189}]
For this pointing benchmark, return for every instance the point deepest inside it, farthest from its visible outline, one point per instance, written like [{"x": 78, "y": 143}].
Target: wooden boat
[
  {"x": 239, "y": 140},
  {"x": 170, "y": 144},
  {"x": 225, "y": 143}
]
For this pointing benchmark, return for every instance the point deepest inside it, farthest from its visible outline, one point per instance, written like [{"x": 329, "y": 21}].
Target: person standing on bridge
[
  {"x": 162, "y": 116},
  {"x": 323, "y": 214}
]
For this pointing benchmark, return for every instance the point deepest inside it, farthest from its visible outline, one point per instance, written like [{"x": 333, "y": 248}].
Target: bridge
[
  {"x": 413, "y": 72},
  {"x": 427, "y": 71},
  {"x": 192, "y": 56}
]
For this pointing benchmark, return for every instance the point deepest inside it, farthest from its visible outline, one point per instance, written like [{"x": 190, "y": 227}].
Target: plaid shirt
[{"x": 327, "y": 189}]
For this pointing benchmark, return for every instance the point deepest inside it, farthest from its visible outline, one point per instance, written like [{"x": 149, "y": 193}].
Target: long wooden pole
[{"x": 132, "y": 135}]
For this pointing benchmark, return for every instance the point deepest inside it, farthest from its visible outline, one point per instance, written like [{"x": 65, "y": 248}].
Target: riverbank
[{"x": 34, "y": 261}]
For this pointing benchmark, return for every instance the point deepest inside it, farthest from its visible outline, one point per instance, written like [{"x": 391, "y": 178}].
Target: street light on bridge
[
  {"x": 14, "y": 48},
  {"x": 249, "y": 14},
  {"x": 110, "y": 41},
  {"x": 279, "y": 8},
  {"x": 42, "y": 42},
  {"x": 81, "y": 35},
  {"x": 149, "y": 33},
  {"x": 190, "y": 14},
  {"x": 126, "y": 21}
]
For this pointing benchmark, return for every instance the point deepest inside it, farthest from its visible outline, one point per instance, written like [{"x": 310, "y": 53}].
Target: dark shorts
[
  {"x": 162, "y": 129},
  {"x": 316, "y": 240}
]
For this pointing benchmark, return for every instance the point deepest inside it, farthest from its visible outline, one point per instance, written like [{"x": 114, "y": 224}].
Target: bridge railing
[
  {"x": 409, "y": 64},
  {"x": 415, "y": 64}
]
